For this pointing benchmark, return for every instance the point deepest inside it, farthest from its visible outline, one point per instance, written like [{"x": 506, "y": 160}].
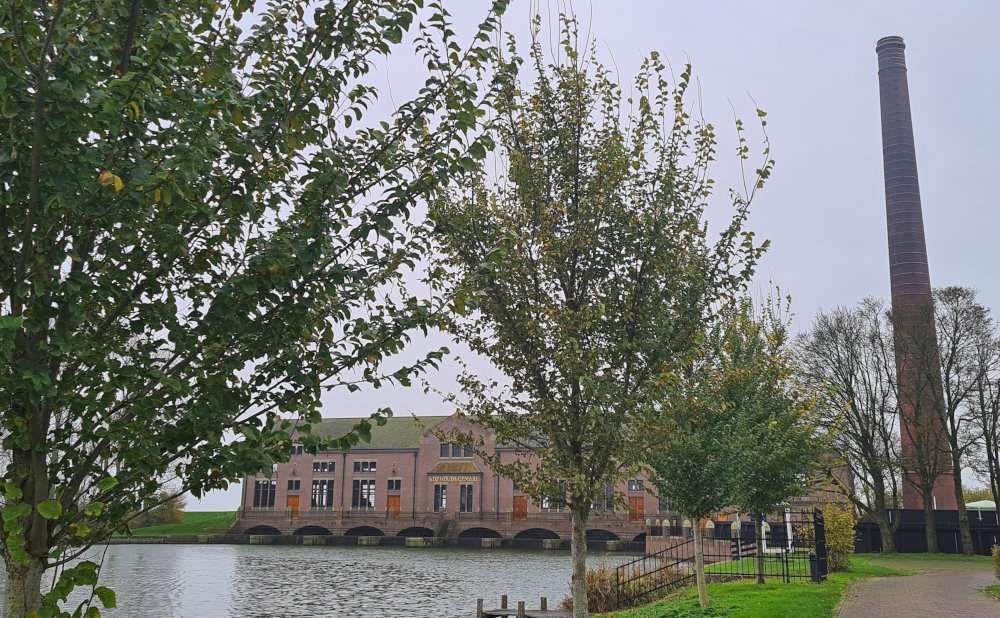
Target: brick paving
[{"x": 945, "y": 588}]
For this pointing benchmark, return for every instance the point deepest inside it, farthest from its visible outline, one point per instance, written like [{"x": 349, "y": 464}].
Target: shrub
[
  {"x": 601, "y": 595},
  {"x": 839, "y": 522},
  {"x": 996, "y": 560}
]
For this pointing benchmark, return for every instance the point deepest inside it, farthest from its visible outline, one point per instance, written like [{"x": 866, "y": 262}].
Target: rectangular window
[
  {"x": 663, "y": 504},
  {"x": 440, "y": 498},
  {"x": 606, "y": 501},
  {"x": 456, "y": 450},
  {"x": 322, "y": 493},
  {"x": 395, "y": 484},
  {"x": 465, "y": 498},
  {"x": 515, "y": 487},
  {"x": 364, "y": 466},
  {"x": 294, "y": 484},
  {"x": 363, "y": 494},
  {"x": 555, "y": 503},
  {"x": 323, "y": 466},
  {"x": 635, "y": 485},
  {"x": 466, "y": 451},
  {"x": 445, "y": 449},
  {"x": 297, "y": 449},
  {"x": 263, "y": 493}
]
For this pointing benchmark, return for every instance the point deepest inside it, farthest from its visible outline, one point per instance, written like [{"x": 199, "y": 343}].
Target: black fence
[
  {"x": 793, "y": 547},
  {"x": 910, "y": 537}
]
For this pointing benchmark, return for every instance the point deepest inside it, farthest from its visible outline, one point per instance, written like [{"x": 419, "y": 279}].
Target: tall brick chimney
[{"x": 909, "y": 277}]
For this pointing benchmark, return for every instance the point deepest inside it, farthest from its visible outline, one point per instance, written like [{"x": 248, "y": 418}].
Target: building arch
[
  {"x": 416, "y": 531},
  {"x": 640, "y": 538},
  {"x": 536, "y": 533},
  {"x": 597, "y": 534},
  {"x": 262, "y": 531},
  {"x": 479, "y": 533},
  {"x": 364, "y": 531},
  {"x": 313, "y": 531}
]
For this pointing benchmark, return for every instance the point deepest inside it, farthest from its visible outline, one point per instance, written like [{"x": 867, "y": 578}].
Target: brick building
[{"x": 406, "y": 482}]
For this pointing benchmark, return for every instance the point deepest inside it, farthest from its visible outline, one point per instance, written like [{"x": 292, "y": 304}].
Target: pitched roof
[{"x": 398, "y": 431}]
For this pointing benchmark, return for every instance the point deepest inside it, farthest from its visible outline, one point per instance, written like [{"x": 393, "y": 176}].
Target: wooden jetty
[{"x": 520, "y": 611}]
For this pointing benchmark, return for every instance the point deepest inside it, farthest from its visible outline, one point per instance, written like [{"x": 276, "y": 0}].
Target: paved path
[{"x": 946, "y": 588}]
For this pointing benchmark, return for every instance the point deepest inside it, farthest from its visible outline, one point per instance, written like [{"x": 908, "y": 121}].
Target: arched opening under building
[
  {"x": 313, "y": 531},
  {"x": 536, "y": 533},
  {"x": 364, "y": 531},
  {"x": 596, "y": 534},
  {"x": 479, "y": 533},
  {"x": 640, "y": 538},
  {"x": 416, "y": 531},
  {"x": 262, "y": 530}
]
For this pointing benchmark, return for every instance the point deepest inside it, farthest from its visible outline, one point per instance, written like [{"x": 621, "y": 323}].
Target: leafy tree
[
  {"x": 201, "y": 231},
  {"x": 847, "y": 360},
  {"x": 839, "y": 522},
  {"x": 168, "y": 509},
  {"x": 585, "y": 272},
  {"x": 740, "y": 380}
]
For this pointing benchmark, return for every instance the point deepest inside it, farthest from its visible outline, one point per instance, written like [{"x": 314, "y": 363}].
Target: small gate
[{"x": 792, "y": 548}]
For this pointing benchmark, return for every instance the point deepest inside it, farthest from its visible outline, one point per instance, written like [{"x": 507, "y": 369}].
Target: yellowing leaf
[
  {"x": 135, "y": 109},
  {"x": 238, "y": 116},
  {"x": 119, "y": 185},
  {"x": 106, "y": 178},
  {"x": 156, "y": 196}
]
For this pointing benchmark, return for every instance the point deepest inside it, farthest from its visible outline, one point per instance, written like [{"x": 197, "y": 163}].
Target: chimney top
[{"x": 891, "y": 54}]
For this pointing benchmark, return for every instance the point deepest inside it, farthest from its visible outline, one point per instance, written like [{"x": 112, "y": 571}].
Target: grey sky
[{"x": 812, "y": 66}]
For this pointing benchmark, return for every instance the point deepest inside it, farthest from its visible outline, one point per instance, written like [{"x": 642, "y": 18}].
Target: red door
[
  {"x": 520, "y": 507},
  {"x": 392, "y": 505},
  {"x": 292, "y": 504},
  {"x": 636, "y": 507}
]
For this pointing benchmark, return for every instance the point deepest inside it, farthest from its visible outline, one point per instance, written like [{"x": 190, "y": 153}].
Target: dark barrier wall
[{"x": 910, "y": 534}]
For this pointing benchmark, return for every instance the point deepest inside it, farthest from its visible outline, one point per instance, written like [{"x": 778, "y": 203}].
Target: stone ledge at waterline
[{"x": 385, "y": 541}]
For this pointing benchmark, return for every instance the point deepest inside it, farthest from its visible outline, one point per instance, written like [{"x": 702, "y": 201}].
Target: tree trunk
[
  {"x": 760, "y": 550},
  {"x": 699, "y": 564},
  {"x": 930, "y": 528},
  {"x": 885, "y": 529},
  {"x": 963, "y": 515},
  {"x": 24, "y": 582},
  {"x": 578, "y": 549}
]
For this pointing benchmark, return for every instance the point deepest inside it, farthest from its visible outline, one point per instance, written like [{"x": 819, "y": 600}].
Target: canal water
[{"x": 166, "y": 581}]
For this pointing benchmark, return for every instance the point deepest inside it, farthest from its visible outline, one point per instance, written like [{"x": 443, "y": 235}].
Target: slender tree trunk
[
  {"x": 23, "y": 594},
  {"x": 885, "y": 529},
  {"x": 699, "y": 564},
  {"x": 760, "y": 549},
  {"x": 578, "y": 549},
  {"x": 963, "y": 515},
  {"x": 930, "y": 526}
]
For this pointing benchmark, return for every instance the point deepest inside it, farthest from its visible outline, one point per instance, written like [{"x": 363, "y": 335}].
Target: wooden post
[
  {"x": 479, "y": 608},
  {"x": 520, "y": 609},
  {"x": 503, "y": 601},
  {"x": 545, "y": 605}
]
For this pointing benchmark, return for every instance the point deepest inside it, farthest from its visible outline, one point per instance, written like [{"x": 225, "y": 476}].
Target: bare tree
[
  {"x": 847, "y": 358},
  {"x": 961, "y": 324},
  {"x": 984, "y": 409}
]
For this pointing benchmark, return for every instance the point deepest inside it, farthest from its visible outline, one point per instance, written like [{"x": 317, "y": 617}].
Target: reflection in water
[{"x": 251, "y": 580}]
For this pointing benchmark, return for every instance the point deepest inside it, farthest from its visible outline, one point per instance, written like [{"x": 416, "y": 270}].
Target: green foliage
[
  {"x": 975, "y": 494},
  {"x": 164, "y": 507},
  {"x": 839, "y": 521},
  {"x": 995, "y": 550},
  {"x": 586, "y": 273},
  {"x": 202, "y": 230}
]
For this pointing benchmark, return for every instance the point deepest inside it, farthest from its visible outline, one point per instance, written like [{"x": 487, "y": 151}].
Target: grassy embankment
[
  {"x": 751, "y": 600},
  {"x": 207, "y": 522}
]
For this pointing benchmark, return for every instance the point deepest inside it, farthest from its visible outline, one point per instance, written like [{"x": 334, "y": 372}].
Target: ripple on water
[{"x": 167, "y": 581}]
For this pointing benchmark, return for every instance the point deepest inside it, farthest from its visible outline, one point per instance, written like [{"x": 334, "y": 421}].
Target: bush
[
  {"x": 601, "y": 595},
  {"x": 996, "y": 560},
  {"x": 839, "y": 522},
  {"x": 167, "y": 510}
]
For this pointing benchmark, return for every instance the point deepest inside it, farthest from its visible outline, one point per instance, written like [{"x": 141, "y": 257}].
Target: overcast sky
[{"x": 812, "y": 66}]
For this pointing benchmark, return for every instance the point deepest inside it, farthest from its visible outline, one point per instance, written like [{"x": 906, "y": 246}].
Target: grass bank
[
  {"x": 203, "y": 522},
  {"x": 746, "y": 599}
]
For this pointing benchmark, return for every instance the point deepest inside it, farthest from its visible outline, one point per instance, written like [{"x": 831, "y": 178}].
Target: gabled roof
[{"x": 399, "y": 432}]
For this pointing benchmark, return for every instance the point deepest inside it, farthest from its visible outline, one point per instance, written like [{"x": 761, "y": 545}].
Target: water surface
[{"x": 295, "y": 580}]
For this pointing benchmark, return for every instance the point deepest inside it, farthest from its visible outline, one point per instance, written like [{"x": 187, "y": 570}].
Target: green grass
[
  {"x": 207, "y": 522},
  {"x": 928, "y": 558},
  {"x": 993, "y": 591},
  {"x": 751, "y": 600}
]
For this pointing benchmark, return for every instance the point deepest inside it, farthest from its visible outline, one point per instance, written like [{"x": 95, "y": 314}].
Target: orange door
[
  {"x": 292, "y": 504},
  {"x": 636, "y": 507},
  {"x": 520, "y": 507},
  {"x": 392, "y": 505}
]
